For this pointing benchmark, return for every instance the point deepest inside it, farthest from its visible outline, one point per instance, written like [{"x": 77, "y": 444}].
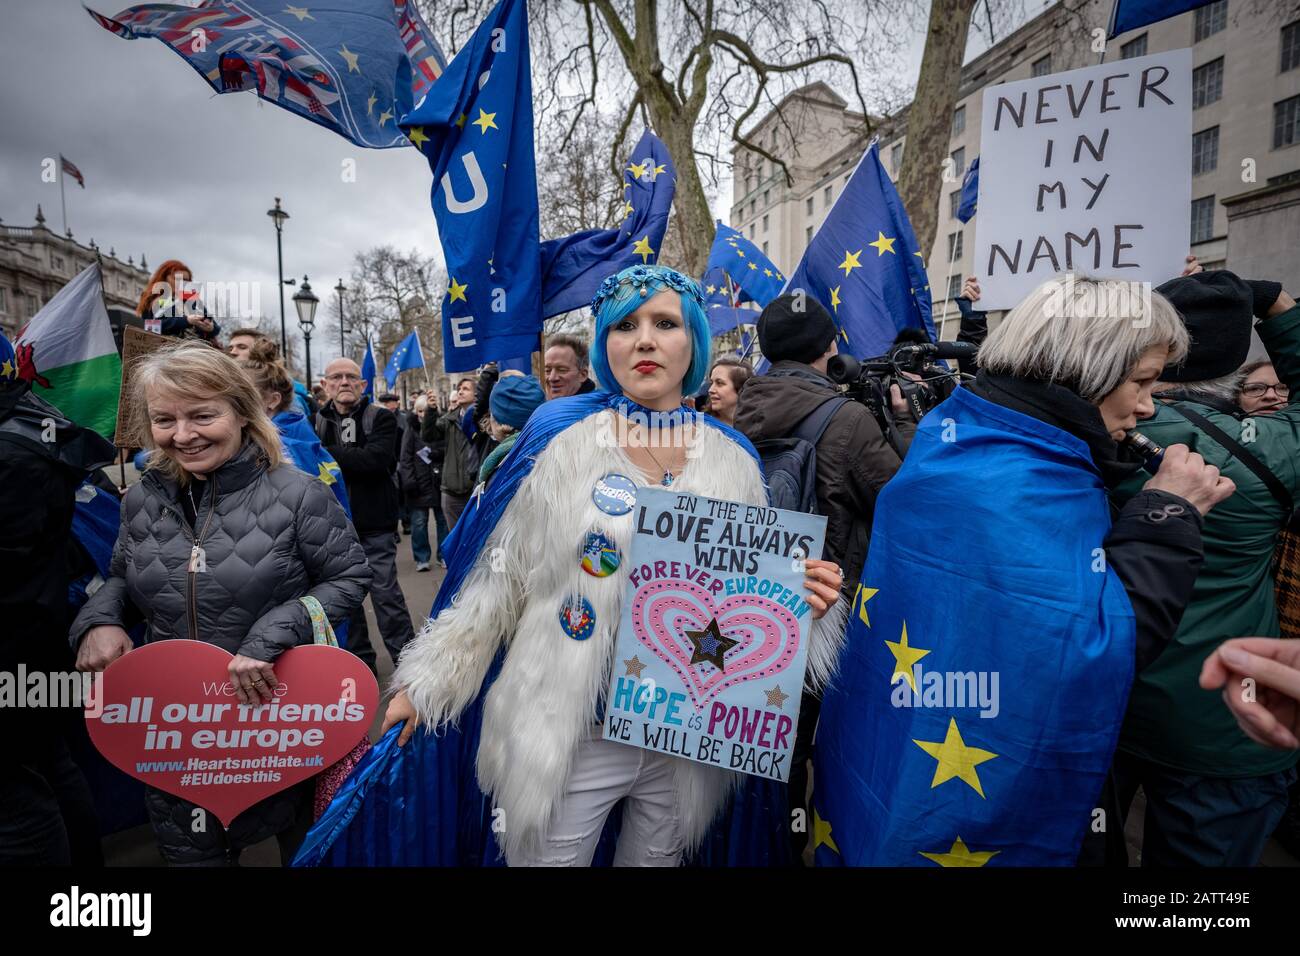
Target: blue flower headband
[{"x": 637, "y": 278}]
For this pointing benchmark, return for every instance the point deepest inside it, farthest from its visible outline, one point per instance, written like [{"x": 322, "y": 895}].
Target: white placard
[{"x": 1087, "y": 171}]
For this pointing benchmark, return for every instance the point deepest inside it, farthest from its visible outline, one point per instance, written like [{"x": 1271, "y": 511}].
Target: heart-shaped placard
[
  {"x": 167, "y": 714},
  {"x": 768, "y": 634}
]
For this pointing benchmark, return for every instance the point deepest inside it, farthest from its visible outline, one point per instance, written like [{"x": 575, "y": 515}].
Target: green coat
[{"x": 1171, "y": 720}]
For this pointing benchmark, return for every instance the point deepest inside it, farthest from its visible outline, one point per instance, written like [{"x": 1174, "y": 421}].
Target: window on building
[
  {"x": 1207, "y": 84},
  {"x": 954, "y": 203},
  {"x": 764, "y": 248},
  {"x": 751, "y": 209},
  {"x": 56, "y": 262},
  {"x": 954, "y": 286},
  {"x": 954, "y": 246},
  {"x": 767, "y": 197},
  {"x": 807, "y": 236},
  {"x": 827, "y": 194},
  {"x": 1291, "y": 46},
  {"x": 1202, "y": 219},
  {"x": 765, "y": 223},
  {"x": 808, "y": 204},
  {"x": 959, "y": 121},
  {"x": 959, "y": 161},
  {"x": 1210, "y": 19},
  {"x": 1286, "y": 122},
  {"x": 751, "y": 230},
  {"x": 33, "y": 305},
  {"x": 1205, "y": 151},
  {"x": 1134, "y": 47},
  {"x": 1042, "y": 66},
  {"x": 4, "y": 301},
  {"x": 896, "y": 157}
]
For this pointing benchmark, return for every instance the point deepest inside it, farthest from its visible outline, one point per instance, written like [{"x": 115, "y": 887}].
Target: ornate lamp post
[
  {"x": 278, "y": 216},
  {"x": 305, "y": 301},
  {"x": 340, "y": 289}
]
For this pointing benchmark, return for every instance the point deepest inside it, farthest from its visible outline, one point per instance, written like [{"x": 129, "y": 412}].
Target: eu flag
[
  {"x": 353, "y": 67},
  {"x": 988, "y": 659},
  {"x": 407, "y": 355},
  {"x": 369, "y": 368},
  {"x": 864, "y": 266},
  {"x": 574, "y": 267},
  {"x": 758, "y": 278},
  {"x": 970, "y": 192},
  {"x": 476, "y": 129},
  {"x": 722, "y": 298},
  {"x": 1128, "y": 15}
]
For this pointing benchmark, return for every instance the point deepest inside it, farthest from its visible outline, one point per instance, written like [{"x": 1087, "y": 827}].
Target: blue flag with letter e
[{"x": 476, "y": 129}]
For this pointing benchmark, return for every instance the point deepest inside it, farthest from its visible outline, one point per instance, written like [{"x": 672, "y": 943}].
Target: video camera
[{"x": 910, "y": 366}]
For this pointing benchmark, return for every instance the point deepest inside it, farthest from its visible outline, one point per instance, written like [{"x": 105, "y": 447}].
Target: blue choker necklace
[{"x": 649, "y": 417}]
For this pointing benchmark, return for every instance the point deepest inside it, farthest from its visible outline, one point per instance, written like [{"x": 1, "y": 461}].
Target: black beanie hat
[
  {"x": 1217, "y": 308},
  {"x": 795, "y": 327}
]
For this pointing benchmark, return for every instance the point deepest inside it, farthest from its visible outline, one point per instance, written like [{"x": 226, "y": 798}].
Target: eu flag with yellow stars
[
  {"x": 758, "y": 278},
  {"x": 353, "y": 67},
  {"x": 574, "y": 267},
  {"x": 864, "y": 266},
  {"x": 475, "y": 126},
  {"x": 988, "y": 659},
  {"x": 722, "y": 302}
]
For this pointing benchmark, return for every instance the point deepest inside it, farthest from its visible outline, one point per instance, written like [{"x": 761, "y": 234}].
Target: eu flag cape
[
  {"x": 420, "y": 805},
  {"x": 303, "y": 447},
  {"x": 989, "y": 655}
]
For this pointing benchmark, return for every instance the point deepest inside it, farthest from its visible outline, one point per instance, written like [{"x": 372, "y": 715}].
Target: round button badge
[
  {"x": 600, "y": 557},
  {"x": 577, "y": 618},
  {"x": 614, "y": 494}
]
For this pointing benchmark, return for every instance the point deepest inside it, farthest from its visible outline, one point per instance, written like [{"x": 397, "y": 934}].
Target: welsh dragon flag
[{"x": 67, "y": 353}]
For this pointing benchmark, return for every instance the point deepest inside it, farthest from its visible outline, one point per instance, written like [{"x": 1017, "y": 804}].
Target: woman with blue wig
[{"x": 510, "y": 672}]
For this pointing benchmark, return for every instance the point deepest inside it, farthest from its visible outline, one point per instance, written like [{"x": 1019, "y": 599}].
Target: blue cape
[
  {"x": 420, "y": 805},
  {"x": 303, "y": 446},
  {"x": 985, "y": 562}
]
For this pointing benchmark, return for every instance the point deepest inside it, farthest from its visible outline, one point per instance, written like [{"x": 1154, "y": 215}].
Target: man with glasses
[{"x": 362, "y": 437}]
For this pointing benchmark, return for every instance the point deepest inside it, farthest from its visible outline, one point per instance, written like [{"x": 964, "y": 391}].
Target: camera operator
[{"x": 854, "y": 460}]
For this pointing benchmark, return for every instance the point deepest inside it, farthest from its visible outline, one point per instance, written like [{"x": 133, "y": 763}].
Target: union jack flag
[{"x": 73, "y": 171}]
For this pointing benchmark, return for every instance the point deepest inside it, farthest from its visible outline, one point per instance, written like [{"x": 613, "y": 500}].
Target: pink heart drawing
[{"x": 664, "y": 610}]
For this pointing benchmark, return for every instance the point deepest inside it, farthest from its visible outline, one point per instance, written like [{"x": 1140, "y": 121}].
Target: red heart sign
[{"x": 167, "y": 714}]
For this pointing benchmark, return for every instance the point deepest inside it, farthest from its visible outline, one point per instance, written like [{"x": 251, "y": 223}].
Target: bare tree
[{"x": 390, "y": 293}]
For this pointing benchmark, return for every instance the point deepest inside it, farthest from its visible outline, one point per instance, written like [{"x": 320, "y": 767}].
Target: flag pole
[{"x": 63, "y": 200}]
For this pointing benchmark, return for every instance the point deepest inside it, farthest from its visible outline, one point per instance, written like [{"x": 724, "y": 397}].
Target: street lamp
[
  {"x": 278, "y": 216},
  {"x": 305, "y": 301},
  {"x": 343, "y": 349}
]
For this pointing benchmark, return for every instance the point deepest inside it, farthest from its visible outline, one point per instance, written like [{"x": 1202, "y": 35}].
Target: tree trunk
[
  {"x": 929, "y": 118},
  {"x": 694, "y": 219}
]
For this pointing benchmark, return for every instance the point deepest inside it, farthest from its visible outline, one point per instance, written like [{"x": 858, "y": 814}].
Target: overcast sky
[{"x": 175, "y": 171}]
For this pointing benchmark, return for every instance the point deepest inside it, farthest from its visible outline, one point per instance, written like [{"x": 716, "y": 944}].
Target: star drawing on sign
[
  {"x": 634, "y": 667},
  {"x": 959, "y": 855},
  {"x": 955, "y": 759},
  {"x": 883, "y": 245},
  {"x": 486, "y": 121},
  {"x": 776, "y": 697},
  {"x": 457, "y": 291},
  {"x": 351, "y": 59},
  {"x": 850, "y": 262},
  {"x": 710, "y": 645}
]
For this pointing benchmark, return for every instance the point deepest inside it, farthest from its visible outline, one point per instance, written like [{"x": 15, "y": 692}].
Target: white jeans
[{"x": 604, "y": 773}]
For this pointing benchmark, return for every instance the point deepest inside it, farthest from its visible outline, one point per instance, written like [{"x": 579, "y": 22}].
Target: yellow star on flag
[
  {"x": 905, "y": 659},
  {"x": 866, "y": 593},
  {"x": 767, "y": 272},
  {"x": 637, "y": 169},
  {"x": 955, "y": 758},
  {"x": 628, "y": 209},
  {"x": 753, "y": 266},
  {"x": 919, "y": 256},
  {"x": 709, "y": 289},
  {"x": 486, "y": 121},
  {"x": 299, "y": 12},
  {"x": 384, "y": 117},
  {"x": 654, "y": 173},
  {"x": 351, "y": 58},
  {"x": 883, "y": 245},
  {"x": 781, "y": 277},
  {"x": 822, "y": 833},
  {"x": 740, "y": 252},
  {"x": 642, "y": 248},
  {"x": 460, "y": 121},
  {"x": 6, "y": 369},
  {"x": 959, "y": 855},
  {"x": 850, "y": 262},
  {"x": 457, "y": 291},
  {"x": 370, "y": 105},
  {"x": 417, "y": 137},
  {"x": 835, "y": 299},
  {"x": 325, "y": 474}
]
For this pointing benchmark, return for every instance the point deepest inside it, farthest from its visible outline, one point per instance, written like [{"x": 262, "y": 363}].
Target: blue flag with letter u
[
  {"x": 352, "y": 67},
  {"x": 476, "y": 129},
  {"x": 574, "y": 267},
  {"x": 864, "y": 265},
  {"x": 989, "y": 655}
]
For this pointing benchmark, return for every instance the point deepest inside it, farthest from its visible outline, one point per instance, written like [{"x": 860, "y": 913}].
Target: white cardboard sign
[{"x": 1087, "y": 171}]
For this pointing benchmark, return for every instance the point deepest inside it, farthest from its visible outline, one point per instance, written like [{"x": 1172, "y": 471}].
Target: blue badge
[
  {"x": 600, "y": 557},
  {"x": 577, "y": 618},
  {"x": 614, "y": 494}
]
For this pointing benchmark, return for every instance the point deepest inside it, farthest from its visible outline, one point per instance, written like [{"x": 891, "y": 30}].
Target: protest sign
[
  {"x": 167, "y": 715},
  {"x": 136, "y": 344},
  {"x": 1087, "y": 171},
  {"x": 713, "y": 644}
]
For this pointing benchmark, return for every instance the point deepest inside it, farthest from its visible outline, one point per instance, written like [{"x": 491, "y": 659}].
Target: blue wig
[{"x": 622, "y": 294}]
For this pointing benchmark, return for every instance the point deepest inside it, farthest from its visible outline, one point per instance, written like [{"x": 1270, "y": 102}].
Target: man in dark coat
[
  {"x": 49, "y": 817},
  {"x": 362, "y": 437},
  {"x": 419, "y": 469},
  {"x": 854, "y": 461}
]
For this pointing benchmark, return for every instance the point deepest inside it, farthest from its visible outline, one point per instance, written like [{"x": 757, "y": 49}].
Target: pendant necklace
[{"x": 668, "y": 475}]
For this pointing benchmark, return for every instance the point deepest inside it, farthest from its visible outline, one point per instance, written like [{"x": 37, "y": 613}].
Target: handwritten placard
[
  {"x": 1087, "y": 171},
  {"x": 713, "y": 643}
]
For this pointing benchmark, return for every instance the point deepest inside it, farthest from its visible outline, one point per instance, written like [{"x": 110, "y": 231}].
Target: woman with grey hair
[{"x": 1034, "y": 583}]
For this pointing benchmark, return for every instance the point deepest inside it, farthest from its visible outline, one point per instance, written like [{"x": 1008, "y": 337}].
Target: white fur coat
[{"x": 544, "y": 699}]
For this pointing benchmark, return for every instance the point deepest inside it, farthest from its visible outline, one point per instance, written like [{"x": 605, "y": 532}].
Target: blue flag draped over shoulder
[
  {"x": 353, "y": 67},
  {"x": 988, "y": 660},
  {"x": 758, "y": 278},
  {"x": 864, "y": 265},
  {"x": 407, "y": 355},
  {"x": 1128, "y": 15},
  {"x": 476, "y": 129},
  {"x": 970, "y": 192},
  {"x": 574, "y": 267}
]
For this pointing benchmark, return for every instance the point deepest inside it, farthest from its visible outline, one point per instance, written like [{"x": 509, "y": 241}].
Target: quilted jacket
[{"x": 273, "y": 536}]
